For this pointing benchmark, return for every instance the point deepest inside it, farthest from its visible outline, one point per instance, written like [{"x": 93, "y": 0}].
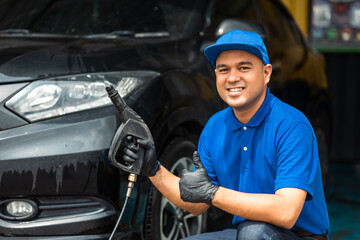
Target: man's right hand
[{"x": 150, "y": 164}]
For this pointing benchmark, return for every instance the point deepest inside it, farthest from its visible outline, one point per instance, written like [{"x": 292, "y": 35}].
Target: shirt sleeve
[
  {"x": 297, "y": 159},
  {"x": 205, "y": 155}
]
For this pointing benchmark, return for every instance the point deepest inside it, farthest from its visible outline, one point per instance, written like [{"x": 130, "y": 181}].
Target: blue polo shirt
[{"x": 276, "y": 149}]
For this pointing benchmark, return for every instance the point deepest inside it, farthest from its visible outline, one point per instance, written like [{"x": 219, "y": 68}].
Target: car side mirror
[{"x": 231, "y": 24}]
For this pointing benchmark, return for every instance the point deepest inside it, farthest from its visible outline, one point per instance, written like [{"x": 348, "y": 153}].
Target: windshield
[{"x": 85, "y": 17}]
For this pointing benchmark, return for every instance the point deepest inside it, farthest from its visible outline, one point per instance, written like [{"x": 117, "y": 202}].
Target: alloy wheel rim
[{"x": 176, "y": 223}]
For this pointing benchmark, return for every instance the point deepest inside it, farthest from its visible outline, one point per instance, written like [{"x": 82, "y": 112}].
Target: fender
[{"x": 180, "y": 120}]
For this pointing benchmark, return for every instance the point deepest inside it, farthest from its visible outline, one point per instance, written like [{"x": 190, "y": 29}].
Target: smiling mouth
[{"x": 236, "y": 89}]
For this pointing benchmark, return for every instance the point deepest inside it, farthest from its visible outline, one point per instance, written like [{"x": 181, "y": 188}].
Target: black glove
[
  {"x": 150, "y": 164},
  {"x": 196, "y": 186}
]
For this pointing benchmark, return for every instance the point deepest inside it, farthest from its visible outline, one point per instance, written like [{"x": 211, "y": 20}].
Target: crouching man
[{"x": 256, "y": 159}]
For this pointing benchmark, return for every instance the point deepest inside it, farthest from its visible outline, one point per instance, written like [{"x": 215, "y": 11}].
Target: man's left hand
[{"x": 196, "y": 186}]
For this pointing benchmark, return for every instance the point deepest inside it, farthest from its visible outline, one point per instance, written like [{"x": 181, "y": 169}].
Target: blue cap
[{"x": 238, "y": 40}]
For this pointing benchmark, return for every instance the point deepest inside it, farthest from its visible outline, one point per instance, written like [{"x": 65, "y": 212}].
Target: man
[{"x": 258, "y": 158}]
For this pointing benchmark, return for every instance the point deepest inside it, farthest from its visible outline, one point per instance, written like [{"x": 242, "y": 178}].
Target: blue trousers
[{"x": 250, "y": 230}]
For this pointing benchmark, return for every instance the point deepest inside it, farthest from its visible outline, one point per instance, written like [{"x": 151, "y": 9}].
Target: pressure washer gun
[{"x": 132, "y": 125}]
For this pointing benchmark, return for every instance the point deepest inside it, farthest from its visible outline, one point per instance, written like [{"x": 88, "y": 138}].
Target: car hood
[{"x": 30, "y": 59}]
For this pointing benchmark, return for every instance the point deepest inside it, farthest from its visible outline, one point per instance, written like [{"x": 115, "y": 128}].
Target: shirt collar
[{"x": 256, "y": 120}]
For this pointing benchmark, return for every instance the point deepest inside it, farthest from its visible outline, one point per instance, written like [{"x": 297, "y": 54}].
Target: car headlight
[{"x": 67, "y": 94}]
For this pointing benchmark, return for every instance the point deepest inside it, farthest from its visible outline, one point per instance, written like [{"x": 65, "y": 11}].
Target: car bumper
[{"x": 60, "y": 165}]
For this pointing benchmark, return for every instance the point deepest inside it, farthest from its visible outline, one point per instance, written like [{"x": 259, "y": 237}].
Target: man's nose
[{"x": 234, "y": 76}]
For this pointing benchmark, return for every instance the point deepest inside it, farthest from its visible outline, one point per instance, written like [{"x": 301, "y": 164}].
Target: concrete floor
[{"x": 343, "y": 201}]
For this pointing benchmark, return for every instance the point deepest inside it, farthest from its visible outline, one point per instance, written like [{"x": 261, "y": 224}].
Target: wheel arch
[{"x": 185, "y": 122}]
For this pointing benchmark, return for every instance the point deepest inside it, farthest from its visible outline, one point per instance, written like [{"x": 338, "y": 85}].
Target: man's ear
[{"x": 267, "y": 73}]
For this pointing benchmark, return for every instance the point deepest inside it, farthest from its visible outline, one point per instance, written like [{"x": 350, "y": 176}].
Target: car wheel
[
  {"x": 164, "y": 220},
  {"x": 322, "y": 132}
]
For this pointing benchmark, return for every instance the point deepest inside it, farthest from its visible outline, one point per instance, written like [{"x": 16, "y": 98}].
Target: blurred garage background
[{"x": 333, "y": 28}]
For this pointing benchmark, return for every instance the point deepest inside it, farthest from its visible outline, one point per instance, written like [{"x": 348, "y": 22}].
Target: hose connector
[{"x": 132, "y": 179}]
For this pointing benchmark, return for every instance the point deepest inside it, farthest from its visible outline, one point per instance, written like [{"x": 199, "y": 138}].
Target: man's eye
[
  {"x": 223, "y": 70},
  {"x": 243, "y": 68}
]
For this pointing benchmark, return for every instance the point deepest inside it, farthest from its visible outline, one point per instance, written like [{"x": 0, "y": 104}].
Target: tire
[{"x": 163, "y": 219}]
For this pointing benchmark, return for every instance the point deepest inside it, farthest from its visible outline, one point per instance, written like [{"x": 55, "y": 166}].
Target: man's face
[{"x": 241, "y": 80}]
